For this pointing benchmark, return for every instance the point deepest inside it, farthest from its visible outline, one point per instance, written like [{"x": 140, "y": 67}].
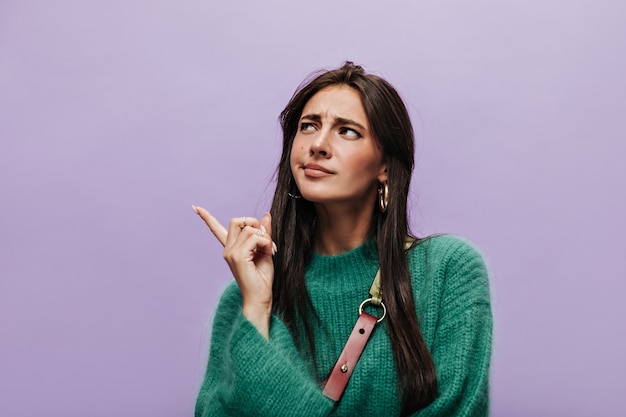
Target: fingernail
[
  {"x": 263, "y": 230},
  {"x": 274, "y": 248},
  {"x": 195, "y": 209}
]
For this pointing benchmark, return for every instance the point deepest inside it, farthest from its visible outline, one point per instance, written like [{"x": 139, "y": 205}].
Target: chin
[
  {"x": 315, "y": 197},
  {"x": 312, "y": 197}
]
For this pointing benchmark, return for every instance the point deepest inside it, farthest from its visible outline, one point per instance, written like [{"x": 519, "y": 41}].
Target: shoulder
[
  {"x": 450, "y": 263},
  {"x": 444, "y": 250}
]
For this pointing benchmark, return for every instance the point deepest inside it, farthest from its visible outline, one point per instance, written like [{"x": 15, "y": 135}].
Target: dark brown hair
[{"x": 293, "y": 227}]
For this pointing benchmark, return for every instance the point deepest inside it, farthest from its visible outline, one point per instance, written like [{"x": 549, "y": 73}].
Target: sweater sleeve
[
  {"x": 248, "y": 375},
  {"x": 461, "y": 347}
]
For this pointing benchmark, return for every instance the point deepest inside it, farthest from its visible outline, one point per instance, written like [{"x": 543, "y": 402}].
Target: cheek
[
  {"x": 297, "y": 149},
  {"x": 294, "y": 155},
  {"x": 367, "y": 160},
  {"x": 292, "y": 164}
]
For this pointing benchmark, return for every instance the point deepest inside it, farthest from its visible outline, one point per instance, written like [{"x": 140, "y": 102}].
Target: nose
[{"x": 321, "y": 145}]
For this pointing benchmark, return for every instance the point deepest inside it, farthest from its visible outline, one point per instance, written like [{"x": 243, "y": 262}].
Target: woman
[{"x": 338, "y": 216}]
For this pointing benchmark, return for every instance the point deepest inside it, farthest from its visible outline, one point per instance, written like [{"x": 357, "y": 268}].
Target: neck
[{"x": 341, "y": 229}]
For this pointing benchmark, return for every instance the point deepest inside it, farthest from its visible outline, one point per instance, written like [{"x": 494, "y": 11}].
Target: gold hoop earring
[{"x": 383, "y": 196}]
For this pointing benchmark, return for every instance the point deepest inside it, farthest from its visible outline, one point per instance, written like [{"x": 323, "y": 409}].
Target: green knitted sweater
[{"x": 248, "y": 375}]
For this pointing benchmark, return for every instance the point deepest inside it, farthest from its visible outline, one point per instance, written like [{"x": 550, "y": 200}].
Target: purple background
[{"x": 116, "y": 116}]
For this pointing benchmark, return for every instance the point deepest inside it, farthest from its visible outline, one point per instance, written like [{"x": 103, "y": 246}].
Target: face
[{"x": 334, "y": 157}]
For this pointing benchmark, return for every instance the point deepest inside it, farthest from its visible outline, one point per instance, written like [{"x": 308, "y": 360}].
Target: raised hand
[{"x": 248, "y": 250}]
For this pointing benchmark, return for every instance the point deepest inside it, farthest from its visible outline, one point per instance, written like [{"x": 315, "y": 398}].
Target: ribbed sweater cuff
[{"x": 264, "y": 368}]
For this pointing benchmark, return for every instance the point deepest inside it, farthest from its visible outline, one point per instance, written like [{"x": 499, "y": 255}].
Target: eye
[
  {"x": 349, "y": 133},
  {"x": 307, "y": 127}
]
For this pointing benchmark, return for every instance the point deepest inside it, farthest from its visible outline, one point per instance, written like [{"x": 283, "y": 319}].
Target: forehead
[{"x": 337, "y": 101}]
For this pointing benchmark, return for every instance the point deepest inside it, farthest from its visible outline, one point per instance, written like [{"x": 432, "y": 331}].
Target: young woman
[{"x": 338, "y": 217}]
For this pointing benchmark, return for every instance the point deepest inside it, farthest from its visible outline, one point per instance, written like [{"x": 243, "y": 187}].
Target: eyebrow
[{"x": 338, "y": 120}]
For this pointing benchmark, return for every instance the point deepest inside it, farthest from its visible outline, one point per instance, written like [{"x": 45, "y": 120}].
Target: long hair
[{"x": 293, "y": 228}]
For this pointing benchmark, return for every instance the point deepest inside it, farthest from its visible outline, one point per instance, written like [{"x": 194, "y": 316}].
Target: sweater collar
[{"x": 361, "y": 261}]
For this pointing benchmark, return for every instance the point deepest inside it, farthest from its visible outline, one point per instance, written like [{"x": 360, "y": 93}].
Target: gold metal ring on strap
[{"x": 369, "y": 300}]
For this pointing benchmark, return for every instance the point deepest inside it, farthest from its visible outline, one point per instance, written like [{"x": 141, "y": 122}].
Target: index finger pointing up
[{"x": 216, "y": 227}]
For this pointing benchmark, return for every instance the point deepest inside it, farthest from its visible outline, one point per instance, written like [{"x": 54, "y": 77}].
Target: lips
[{"x": 315, "y": 170}]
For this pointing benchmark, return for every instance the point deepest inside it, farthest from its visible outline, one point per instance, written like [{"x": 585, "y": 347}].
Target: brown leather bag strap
[
  {"x": 335, "y": 383},
  {"x": 337, "y": 380}
]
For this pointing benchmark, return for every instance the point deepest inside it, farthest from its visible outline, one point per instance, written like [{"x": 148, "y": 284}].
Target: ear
[{"x": 382, "y": 175}]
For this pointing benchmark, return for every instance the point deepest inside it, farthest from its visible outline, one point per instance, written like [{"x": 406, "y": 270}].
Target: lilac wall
[{"x": 116, "y": 116}]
